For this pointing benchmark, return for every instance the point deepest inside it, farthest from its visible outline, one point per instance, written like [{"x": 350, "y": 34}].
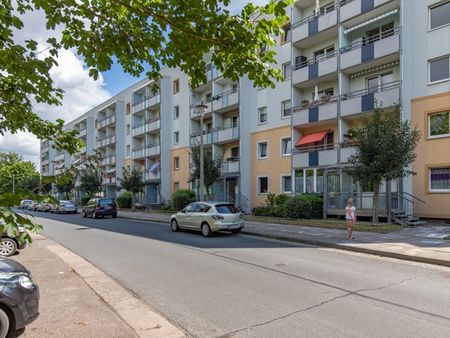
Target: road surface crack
[
  {"x": 383, "y": 287},
  {"x": 230, "y": 334}
]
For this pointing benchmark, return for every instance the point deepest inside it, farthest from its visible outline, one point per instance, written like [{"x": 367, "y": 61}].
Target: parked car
[
  {"x": 33, "y": 206},
  {"x": 10, "y": 245},
  {"x": 19, "y": 298},
  {"x": 64, "y": 206},
  {"x": 24, "y": 204},
  {"x": 100, "y": 207},
  {"x": 44, "y": 206},
  {"x": 208, "y": 217}
]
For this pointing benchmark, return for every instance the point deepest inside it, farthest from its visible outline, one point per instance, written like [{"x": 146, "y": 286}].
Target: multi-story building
[{"x": 340, "y": 60}]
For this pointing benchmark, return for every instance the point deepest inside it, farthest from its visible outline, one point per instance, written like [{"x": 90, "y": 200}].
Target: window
[
  {"x": 234, "y": 87},
  {"x": 440, "y": 15},
  {"x": 379, "y": 33},
  {"x": 329, "y": 92},
  {"x": 128, "y": 109},
  {"x": 262, "y": 150},
  {"x": 287, "y": 32},
  {"x": 262, "y": 115},
  {"x": 286, "y": 146},
  {"x": 287, "y": 70},
  {"x": 379, "y": 82},
  {"x": 176, "y": 86},
  {"x": 128, "y": 129},
  {"x": 286, "y": 108},
  {"x": 176, "y": 163},
  {"x": 286, "y": 184},
  {"x": 208, "y": 127},
  {"x": 439, "y": 179},
  {"x": 324, "y": 53},
  {"x": 235, "y": 153},
  {"x": 176, "y": 137},
  {"x": 438, "y": 124},
  {"x": 128, "y": 150},
  {"x": 439, "y": 69},
  {"x": 176, "y": 112},
  {"x": 309, "y": 181},
  {"x": 208, "y": 97},
  {"x": 263, "y": 185},
  {"x": 234, "y": 121},
  {"x": 176, "y": 186}
]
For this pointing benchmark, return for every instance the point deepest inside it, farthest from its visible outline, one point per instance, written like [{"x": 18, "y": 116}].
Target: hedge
[
  {"x": 182, "y": 197},
  {"x": 302, "y": 206},
  {"x": 124, "y": 199}
]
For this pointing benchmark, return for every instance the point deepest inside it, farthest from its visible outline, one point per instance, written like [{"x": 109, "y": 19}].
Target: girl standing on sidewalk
[{"x": 350, "y": 217}]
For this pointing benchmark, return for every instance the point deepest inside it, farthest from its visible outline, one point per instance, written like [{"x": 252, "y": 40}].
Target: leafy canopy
[
  {"x": 211, "y": 168},
  {"x": 132, "y": 181}
]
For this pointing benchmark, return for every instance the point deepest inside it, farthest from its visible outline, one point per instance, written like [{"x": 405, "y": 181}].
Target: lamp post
[{"x": 201, "y": 109}]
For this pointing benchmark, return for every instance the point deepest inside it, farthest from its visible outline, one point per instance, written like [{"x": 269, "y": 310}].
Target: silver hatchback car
[{"x": 208, "y": 217}]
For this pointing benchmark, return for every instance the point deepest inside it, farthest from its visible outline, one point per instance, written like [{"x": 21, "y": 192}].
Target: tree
[
  {"x": 132, "y": 181},
  {"x": 384, "y": 151},
  {"x": 212, "y": 168},
  {"x": 90, "y": 181},
  {"x": 65, "y": 183},
  {"x": 10, "y": 158},
  {"x": 20, "y": 173}
]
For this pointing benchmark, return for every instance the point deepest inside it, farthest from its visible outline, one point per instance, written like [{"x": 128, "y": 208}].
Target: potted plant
[{"x": 304, "y": 103}]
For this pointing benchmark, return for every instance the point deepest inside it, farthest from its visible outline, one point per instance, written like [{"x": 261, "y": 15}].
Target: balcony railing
[
  {"x": 146, "y": 151},
  {"x": 314, "y": 24},
  {"x": 146, "y": 102},
  {"x": 315, "y": 68},
  {"x": 106, "y": 121},
  {"x": 108, "y": 160},
  {"x": 147, "y": 126},
  {"x": 325, "y": 109},
  {"x": 226, "y": 133},
  {"x": 227, "y": 99},
  {"x": 352, "y": 8},
  {"x": 45, "y": 149},
  {"x": 109, "y": 180},
  {"x": 106, "y": 141},
  {"x": 322, "y": 155},
  {"x": 82, "y": 132},
  {"x": 230, "y": 166},
  {"x": 152, "y": 176},
  {"x": 59, "y": 157}
]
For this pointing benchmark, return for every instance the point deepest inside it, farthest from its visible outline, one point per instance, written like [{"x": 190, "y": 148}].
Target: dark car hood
[{"x": 8, "y": 265}]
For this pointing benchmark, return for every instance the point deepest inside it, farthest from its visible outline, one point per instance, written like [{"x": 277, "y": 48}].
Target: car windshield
[
  {"x": 66, "y": 203},
  {"x": 227, "y": 209},
  {"x": 105, "y": 202}
]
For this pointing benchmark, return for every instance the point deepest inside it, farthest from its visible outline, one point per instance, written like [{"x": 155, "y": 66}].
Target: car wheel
[
  {"x": 94, "y": 215},
  {"x": 7, "y": 247},
  {"x": 174, "y": 225},
  {"x": 84, "y": 214},
  {"x": 236, "y": 231},
  {"x": 4, "y": 323},
  {"x": 206, "y": 230},
  {"x": 114, "y": 215}
]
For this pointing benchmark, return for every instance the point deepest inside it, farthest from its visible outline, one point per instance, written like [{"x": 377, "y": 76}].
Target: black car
[
  {"x": 19, "y": 297},
  {"x": 100, "y": 207}
]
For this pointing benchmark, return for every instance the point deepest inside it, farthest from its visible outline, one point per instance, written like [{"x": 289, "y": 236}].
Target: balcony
[
  {"x": 315, "y": 28},
  {"x": 207, "y": 137},
  {"x": 146, "y": 102},
  {"x": 45, "y": 149},
  {"x": 59, "y": 157},
  {"x": 151, "y": 176},
  {"x": 146, "y": 151},
  {"x": 230, "y": 166},
  {"x": 367, "y": 99},
  {"x": 315, "y": 156},
  {"x": 227, "y": 101},
  {"x": 106, "y": 180},
  {"x": 377, "y": 50},
  {"x": 45, "y": 162},
  {"x": 307, "y": 73},
  {"x": 108, "y": 160},
  {"x": 82, "y": 133},
  {"x": 194, "y": 110},
  {"x": 346, "y": 152},
  {"x": 316, "y": 112},
  {"x": 211, "y": 73},
  {"x": 82, "y": 150},
  {"x": 148, "y": 126},
  {"x": 106, "y": 122},
  {"x": 106, "y": 141},
  {"x": 226, "y": 134},
  {"x": 353, "y": 8}
]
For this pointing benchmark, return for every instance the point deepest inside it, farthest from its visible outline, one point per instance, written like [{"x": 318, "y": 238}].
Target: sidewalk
[
  {"x": 426, "y": 244},
  {"x": 79, "y": 300}
]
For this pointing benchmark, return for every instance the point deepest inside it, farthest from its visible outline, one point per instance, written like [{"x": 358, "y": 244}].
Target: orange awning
[{"x": 311, "y": 138}]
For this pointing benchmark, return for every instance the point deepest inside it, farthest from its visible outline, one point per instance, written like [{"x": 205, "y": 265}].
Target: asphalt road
[{"x": 230, "y": 285}]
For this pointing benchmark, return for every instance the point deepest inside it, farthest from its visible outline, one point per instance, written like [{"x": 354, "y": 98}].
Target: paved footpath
[
  {"x": 79, "y": 300},
  {"x": 426, "y": 244}
]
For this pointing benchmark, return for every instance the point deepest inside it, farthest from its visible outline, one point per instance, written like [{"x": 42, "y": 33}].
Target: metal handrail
[
  {"x": 144, "y": 98},
  {"x": 107, "y": 137},
  {"x": 146, "y": 147},
  {"x": 209, "y": 131},
  {"x": 215, "y": 97},
  {"x": 148, "y": 121},
  {"x": 319, "y": 103},
  {"x": 378, "y": 37},
  {"x": 315, "y": 15},
  {"x": 320, "y": 147},
  {"x": 315, "y": 60},
  {"x": 102, "y": 120},
  {"x": 365, "y": 91}
]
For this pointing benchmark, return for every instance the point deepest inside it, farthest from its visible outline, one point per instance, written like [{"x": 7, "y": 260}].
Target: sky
[{"x": 81, "y": 91}]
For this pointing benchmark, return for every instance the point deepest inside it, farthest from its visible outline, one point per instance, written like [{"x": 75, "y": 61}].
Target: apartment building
[{"x": 340, "y": 60}]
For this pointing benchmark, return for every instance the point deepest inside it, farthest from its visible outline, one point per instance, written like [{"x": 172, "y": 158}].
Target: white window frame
[
  {"x": 176, "y": 163},
  {"x": 429, "y": 69},
  {"x": 429, "y": 15},
  {"x": 282, "y": 146},
  {"x": 282, "y": 109},
  {"x": 282, "y": 184},
  {"x": 259, "y": 115},
  {"x": 429, "y": 180},
  {"x": 258, "y": 190},
  {"x": 286, "y": 69},
  {"x": 258, "y": 150},
  {"x": 429, "y": 125}
]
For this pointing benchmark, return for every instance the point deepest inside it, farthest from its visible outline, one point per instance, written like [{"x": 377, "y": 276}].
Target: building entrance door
[{"x": 231, "y": 189}]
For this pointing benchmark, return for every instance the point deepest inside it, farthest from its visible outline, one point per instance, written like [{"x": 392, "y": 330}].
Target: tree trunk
[{"x": 376, "y": 193}]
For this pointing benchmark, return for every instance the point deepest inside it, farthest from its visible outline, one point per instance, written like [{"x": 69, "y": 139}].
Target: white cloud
[
  {"x": 81, "y": 91},
  {"x": 236, "y": 6}
]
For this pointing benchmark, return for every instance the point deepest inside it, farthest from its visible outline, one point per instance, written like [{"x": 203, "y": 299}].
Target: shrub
[
  {"x": 84, "y": 200},
  {"x": 263, "y": 210},
  {"x": 304, "y": 206},
  {"x": 124, "y": 199},
  {"x": 182, "y": 197},
  {"x": 281, "y": 199},
  {"x": 278, "y": 211},
  {"x": 166, "y": 207}
]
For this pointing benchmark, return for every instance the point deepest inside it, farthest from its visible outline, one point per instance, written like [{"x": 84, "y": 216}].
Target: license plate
[{"x": 108, "y": 208}]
